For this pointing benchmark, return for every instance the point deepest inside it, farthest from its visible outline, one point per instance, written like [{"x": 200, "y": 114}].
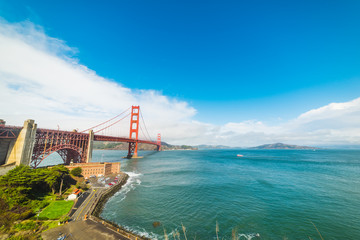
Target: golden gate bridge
[{"x": 30, "y": 145}]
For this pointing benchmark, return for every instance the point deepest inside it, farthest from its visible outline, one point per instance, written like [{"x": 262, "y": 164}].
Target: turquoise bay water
[{"x": 275, "y": 193}]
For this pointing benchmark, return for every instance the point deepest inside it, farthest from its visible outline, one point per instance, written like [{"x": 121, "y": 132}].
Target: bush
[
  {"x": 64, "y": 219},
  {"x": 76, "y": 171},
  {"x": 17, "y": 238},
  {"x": 8, "y": 215},
  {"x": 26, "y": 225},
  {"x": 82, "y": 185}
]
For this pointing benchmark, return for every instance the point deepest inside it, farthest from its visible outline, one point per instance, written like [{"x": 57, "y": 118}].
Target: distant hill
[
  {"x": 213, "y": 147},
  {"x": 144, "y": 147},
  {"x": 282, "y": 146},
  {"x": 166, "y": 146}
]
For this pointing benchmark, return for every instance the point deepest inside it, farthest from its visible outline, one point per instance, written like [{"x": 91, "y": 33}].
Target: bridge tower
[
  {"x": 134, "y": 131},
  {"x": 159, "y": 142}
]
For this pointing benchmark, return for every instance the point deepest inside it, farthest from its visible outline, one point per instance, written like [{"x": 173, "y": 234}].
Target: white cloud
[
  {"x": 335, "y": 123},
  {"x": 40, "y": 80},
  {"x": 331, "y": 111}
]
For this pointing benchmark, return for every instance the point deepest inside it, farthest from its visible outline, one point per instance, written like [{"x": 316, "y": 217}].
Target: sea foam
[{"x": 132, "y": 182}]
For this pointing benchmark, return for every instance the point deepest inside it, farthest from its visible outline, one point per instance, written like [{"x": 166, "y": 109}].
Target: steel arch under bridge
[{"x": 71, "y": 146}]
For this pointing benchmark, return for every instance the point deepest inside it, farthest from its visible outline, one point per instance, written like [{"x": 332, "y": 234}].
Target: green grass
[
  {"x": 50, "y": 224},
  {"x": 25, "y": 225},
  {"x": 56, "y": 209}
]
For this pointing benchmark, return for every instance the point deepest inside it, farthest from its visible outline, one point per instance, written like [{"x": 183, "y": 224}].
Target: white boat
[{"x": 239, "y": 155}]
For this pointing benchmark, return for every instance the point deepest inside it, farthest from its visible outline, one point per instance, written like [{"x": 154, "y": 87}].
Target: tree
[
  {"x": 59, "y": 172},
  {"x": 52, "y": 179},
  {"x": 18, "y": 188},
  {"x": 17, "y": 184},
  {"x": 76, "y": 171}
]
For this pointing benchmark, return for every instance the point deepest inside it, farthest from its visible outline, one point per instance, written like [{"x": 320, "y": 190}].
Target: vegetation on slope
[{"x": 24, "y": 192}]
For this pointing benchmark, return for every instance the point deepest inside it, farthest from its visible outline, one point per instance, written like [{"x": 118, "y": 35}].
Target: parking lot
[{"x": 103, "y": 181}]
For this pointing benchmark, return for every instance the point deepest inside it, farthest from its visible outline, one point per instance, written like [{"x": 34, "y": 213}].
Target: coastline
[{"x": 101, "y": 200}]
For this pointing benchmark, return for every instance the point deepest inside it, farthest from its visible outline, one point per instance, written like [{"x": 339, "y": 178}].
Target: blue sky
[{"x": 232, "y": 61}]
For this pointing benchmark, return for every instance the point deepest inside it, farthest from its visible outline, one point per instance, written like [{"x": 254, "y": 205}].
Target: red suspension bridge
[{"x": 31, "y": 145}]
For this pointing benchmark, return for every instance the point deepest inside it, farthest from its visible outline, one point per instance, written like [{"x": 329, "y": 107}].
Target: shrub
[
  {"x": 26, "y": 225},
  {"x": 82, "y": 185},
  {"x": 76, "y": 171},
  {"x": 64, "y": 218}
]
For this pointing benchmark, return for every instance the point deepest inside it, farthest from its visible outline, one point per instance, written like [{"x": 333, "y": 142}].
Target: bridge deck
[{"x": 121, "y": 139}]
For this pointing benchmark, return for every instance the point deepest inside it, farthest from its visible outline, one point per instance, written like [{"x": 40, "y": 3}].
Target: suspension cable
[
  {"x": 145, "y": 126},
  {"x": 144, "y": 133},
  {"x": 106, "y": 121},
  {"x": 112, "y": 123}
]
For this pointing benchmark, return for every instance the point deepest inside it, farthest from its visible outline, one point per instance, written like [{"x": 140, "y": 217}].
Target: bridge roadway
[
  {"x": 96, "y": 137},
  {"x": 121, "y": 139}
]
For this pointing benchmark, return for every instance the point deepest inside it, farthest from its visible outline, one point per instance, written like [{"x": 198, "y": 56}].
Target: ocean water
[{"x": 267, "y": 194}]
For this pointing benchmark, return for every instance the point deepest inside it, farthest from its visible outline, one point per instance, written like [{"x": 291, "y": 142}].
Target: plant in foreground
[{"x": 234, "y": 233}]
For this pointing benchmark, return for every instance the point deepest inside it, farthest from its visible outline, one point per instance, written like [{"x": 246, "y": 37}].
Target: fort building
[{"x": 96, "y": 168}]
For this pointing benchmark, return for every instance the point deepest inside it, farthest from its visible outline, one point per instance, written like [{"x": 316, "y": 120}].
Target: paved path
[{"x": 82, "y": 230}]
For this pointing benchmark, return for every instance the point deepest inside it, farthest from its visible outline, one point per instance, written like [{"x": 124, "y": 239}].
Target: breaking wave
[{"x": 133, "y": 181}]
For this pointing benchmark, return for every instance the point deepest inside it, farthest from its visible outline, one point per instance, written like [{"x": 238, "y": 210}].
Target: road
[
  {"x": 86, "y": 200},
  {"x": 78, "y": 203},
  {"x": 84, "y": 205}
]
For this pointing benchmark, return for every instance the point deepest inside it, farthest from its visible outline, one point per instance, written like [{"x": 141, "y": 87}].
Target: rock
[{"x": 156, "y": 224}]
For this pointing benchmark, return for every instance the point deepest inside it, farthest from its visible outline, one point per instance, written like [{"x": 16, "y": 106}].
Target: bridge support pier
[
  {"x": 90, "y": 146},
  {"x": 132, "y": 153},
  {"x": 22, "y": 149}
]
